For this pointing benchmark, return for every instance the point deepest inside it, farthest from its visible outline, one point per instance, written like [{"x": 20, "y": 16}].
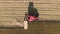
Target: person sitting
[{"x": 32, "y": 12}]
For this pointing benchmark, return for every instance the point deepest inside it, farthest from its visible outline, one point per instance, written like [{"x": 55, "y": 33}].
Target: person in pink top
[{"x": 32, "y": 12}]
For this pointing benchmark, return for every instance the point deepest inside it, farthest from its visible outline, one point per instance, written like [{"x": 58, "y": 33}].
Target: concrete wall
[{"x": 48, "y": 9}]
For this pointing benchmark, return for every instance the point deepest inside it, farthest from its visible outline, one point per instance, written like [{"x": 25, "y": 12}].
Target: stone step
[
  {"x": 39, "y": 7},
  {"x": 11, "y": 24},
  {"x": 12, "y": 8},
  {"x": 23, "y": 12},
  {"x": 18, "y": 18},
  {"x": 43, "y": 1},
  {"x": 49, "y": 12},
  {"x": 11, "y": 21},
  {"x": 10, "y": 18},
  {"x": 19, "y": 8},
  {"x": 25, "y": 4},
  {"x": 12, "y": 13},
  {"x": 13, "y": 4},
  {"x": 49, "y": 17},
  {"x": 25, "y": 9}
]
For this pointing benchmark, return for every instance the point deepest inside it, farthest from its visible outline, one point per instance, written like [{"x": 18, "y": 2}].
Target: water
[{"x": 35, "y": 28}]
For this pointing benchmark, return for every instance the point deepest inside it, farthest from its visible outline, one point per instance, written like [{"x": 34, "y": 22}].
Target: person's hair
[{"x": 30, "y": 3}]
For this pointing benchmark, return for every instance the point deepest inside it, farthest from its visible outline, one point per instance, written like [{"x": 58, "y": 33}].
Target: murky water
[{"x": 35, "y": 28}]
